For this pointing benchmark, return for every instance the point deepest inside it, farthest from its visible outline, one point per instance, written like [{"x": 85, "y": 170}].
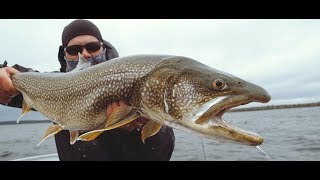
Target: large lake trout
[{"x": 168, "y": 90}]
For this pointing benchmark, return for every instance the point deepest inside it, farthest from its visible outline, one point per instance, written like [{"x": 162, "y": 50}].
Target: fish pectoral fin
[
  {"x": 91, "y": 135},
  {"x": 150, "y": 129},
  {"x": 25, "y": 109},
  {"x": 119, "y": 115},
  {"x": 122, "y": 117},
  {"x": 52, "y": 130},
  {"x": 73, "y": 136}
]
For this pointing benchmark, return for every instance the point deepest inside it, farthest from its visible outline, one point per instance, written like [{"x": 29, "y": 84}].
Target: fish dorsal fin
[
  {"x": 150, "y": 129},
  {"x": 73, "y": 136},
  {"x": 52, "y": 130},
  {"x": 25, "y": 109},
  {"x": 82, "y": 63}
]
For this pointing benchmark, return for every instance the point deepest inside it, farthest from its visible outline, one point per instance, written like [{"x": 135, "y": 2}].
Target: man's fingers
[
  {"x": 6, "y": 85},
  {"x": 11, "y": 70},
  {"x": 114, "y": 106},
  {"x": 123, "y": 103},
  {"x": 4, "y": 98},
  {"x": 136, "y": 124},
  {"x": 109, "y": 110}
]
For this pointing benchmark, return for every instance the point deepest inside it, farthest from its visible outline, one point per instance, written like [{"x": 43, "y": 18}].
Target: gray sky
[{"x": 282, "y": 56}]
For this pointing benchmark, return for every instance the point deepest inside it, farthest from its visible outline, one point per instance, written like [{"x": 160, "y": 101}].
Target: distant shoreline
[{"x": 285, "y": 106}]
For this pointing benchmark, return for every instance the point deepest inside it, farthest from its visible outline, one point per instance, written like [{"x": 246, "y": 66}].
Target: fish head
[{"x": 197, "y": 96}]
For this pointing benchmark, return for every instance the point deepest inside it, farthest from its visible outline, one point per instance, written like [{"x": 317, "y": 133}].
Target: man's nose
[{"x": 85, "y": 53}]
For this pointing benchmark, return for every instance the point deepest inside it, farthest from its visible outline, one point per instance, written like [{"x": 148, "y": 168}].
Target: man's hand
[
  {"x": 136, "y": 124},
  {"x": 7, "y": 91}
]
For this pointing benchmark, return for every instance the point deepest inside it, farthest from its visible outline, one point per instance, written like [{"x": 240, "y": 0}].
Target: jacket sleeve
[{"x": 17, "y": 100}]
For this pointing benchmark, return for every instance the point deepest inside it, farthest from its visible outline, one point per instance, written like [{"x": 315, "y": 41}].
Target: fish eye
[{"x": 218, "y": 84}]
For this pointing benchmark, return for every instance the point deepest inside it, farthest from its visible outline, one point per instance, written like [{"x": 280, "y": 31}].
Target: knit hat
[{"x": 79, "y": 27}]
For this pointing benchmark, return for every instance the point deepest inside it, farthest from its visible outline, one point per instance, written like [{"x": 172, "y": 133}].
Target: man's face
[{"x": 89, "y": 47}]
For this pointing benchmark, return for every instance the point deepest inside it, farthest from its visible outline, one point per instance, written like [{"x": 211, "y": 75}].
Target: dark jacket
[{"x": 117, "y": 144}]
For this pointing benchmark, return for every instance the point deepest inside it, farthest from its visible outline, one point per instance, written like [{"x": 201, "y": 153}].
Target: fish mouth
[{"x": 212, "y": 124}]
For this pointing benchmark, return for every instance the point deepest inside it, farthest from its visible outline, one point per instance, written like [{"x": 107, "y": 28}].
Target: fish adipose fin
[
  {"x": 118, "y": 118},
  {"x": 150, "y": 129},
  {"x": 52, "y": 130},
  {"x": 25, "y": 109}
]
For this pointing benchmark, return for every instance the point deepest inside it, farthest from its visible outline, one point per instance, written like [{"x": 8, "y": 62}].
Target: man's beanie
[{"x": 79, "y": 27}]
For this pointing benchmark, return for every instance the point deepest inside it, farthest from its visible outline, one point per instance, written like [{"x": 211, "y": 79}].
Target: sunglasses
[{"x": 90, "y": 47}]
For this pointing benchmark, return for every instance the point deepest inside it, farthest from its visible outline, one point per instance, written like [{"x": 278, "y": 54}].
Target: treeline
[{"x": 275, "y": 107}]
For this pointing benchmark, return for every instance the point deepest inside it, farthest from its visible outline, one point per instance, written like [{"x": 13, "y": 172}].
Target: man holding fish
[
  {"x": 123, "y": 143},
  {"x": 151, "y": 92}
]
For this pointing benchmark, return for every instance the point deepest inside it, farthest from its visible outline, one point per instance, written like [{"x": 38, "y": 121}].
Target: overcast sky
[{"x": 282, "y": 56}]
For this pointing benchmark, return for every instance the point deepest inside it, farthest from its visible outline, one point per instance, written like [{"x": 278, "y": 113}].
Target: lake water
[{"x": 290, "y": 135}]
